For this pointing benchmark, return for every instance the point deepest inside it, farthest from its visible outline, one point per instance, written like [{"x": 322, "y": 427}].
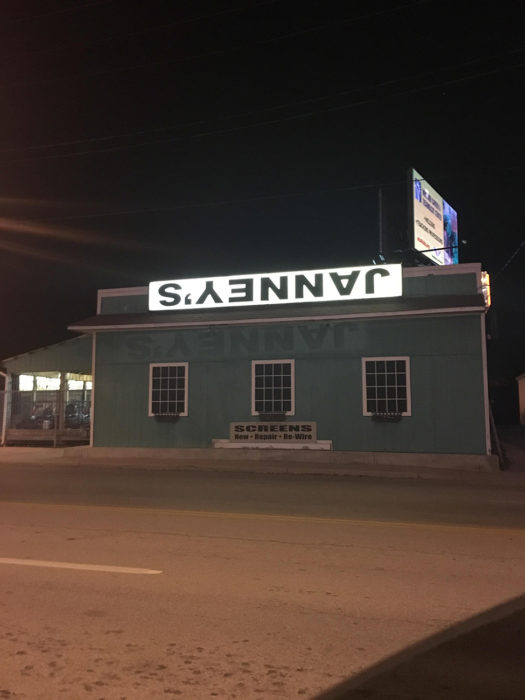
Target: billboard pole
[{"x": 380, "y": 202}]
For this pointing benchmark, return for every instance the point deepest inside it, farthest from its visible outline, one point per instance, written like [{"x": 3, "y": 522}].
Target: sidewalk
[{"x": 457, "y": 468}]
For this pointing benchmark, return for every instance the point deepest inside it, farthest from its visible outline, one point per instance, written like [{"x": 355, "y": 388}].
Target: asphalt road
[
  {"x": 399, "y": 500},
  {"x": 128, "y": 584}
]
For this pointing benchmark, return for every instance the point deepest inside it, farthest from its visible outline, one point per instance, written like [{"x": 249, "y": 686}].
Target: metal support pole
[
  {"x": 380, "y": 198},
  {"x": 4, "y": 411}
]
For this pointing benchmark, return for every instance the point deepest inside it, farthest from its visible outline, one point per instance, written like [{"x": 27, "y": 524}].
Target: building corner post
[
  {"x": 486, "y": 401},
  {"x": 4, "y": 408}
]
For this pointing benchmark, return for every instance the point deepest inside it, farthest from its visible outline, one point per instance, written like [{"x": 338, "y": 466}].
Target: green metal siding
[
  {"x": 129, "y": 304},
  {"x": 446, "y": 382},
  {"x": 439, "y": 285},
  {"x": 70, "y": 356}
]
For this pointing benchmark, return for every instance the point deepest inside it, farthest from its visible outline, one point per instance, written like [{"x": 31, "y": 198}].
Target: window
[
  {"x": 48, "y": 383},
  {"x": 386, "y": 386},
  {"x": 26, "y": 382},
  {"x": 273, "y": 387},
  {"x": 168, "y": 389}
]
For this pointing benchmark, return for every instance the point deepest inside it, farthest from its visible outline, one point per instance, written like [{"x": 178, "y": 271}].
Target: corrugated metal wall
[{"x": 446, "y": 376}]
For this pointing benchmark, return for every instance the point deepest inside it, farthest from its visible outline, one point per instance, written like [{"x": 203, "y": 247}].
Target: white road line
[{"x": 78, "y": 567}]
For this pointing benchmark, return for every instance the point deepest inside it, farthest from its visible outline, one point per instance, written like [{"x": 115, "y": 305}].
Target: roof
[
  {"x": 445, "y": 304},
  {"x": 73, "y": 355}
]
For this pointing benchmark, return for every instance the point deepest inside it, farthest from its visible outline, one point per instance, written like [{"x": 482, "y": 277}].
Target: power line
[
  {"x": 284, "y": 105},
  {"x": 148, "y": 30},
  {"x": 269, "y": 122},
  {"x": 514, "y": 254},
  {"x": 214, "y": 203},
  {"x": 221, "y": 52},
  {"x": 249, "y": 200},
  {"x": 64, "y": 10}
]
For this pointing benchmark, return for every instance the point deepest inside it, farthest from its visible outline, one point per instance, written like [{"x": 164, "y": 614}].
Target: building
[{"x": 379, "y": 359}]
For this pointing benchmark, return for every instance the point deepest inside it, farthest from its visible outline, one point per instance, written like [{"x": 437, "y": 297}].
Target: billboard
[{"x": 435, "y": 222}]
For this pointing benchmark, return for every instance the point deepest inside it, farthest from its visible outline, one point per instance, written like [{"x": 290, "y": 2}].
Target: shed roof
[{"x": 73, "y": 355}]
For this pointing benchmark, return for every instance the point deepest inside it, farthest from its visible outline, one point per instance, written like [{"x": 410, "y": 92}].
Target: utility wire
[
  {"x": 247, "y": 200},
  {"x": 514, "y": 254},
  {"x": 220, "y": 52},
  {"x": 217, "y": 202},
  {"x": 268, "y": 122},
  {"x": 285, "y": 105},
  {"x": 64, "y": 10},
  {"x": 147, "y": 30}
]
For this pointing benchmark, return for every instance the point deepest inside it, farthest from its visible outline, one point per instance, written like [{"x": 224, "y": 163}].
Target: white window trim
[
  {"x": 150, "y": 395},
  {"x": 274, "y": 362},
  {"x": 406, "y": 358}
]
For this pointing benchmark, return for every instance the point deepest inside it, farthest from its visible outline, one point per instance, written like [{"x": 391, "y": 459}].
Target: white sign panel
[
  {"x": 278, "y": 432},
  {"x": 435, "y": 223},
  {"x": 340, "y": 284}
]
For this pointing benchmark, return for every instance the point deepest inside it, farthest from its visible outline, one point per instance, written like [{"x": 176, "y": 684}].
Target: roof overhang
[{"x": 155, "y": 320}]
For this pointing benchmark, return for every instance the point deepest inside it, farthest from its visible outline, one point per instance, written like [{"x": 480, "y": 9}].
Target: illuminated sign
[
  {"x": 341, "y": 284},
  {"x": 485, "y": 288},
  {"x": 276, "y": 432},
  {"x": 435, "y": 223}
]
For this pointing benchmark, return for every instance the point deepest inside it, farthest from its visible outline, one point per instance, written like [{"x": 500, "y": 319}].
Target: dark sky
[{"x": 159, "y": 139}]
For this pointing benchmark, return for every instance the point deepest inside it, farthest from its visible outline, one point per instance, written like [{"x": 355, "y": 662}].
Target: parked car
[{"x": 76, "y": 415}]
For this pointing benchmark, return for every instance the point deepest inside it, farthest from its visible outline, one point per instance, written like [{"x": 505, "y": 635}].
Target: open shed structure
[{"x": 47, "y": 395}]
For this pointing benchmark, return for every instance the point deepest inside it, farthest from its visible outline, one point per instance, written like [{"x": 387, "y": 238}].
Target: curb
[{"x": 74, "y": 458}]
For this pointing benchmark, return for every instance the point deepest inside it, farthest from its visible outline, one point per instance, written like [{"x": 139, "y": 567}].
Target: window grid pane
[
  {"x": 386, "y": 386},
  {"x": 273, "y": 387},
  {"x": 168, "y": 390}
]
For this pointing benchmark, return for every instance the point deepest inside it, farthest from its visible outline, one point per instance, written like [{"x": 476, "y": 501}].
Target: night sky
[{"x": 161, "y": 139}]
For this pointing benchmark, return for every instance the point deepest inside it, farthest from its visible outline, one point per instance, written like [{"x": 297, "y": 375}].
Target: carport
[{"x": 47, "y": 395}]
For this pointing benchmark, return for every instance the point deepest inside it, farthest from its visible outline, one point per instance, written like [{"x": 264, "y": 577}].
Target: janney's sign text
[{"x": 346, "y": 283}]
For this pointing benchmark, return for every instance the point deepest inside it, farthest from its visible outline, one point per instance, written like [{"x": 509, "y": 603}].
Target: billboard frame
[{"x": 437, "y": 211}]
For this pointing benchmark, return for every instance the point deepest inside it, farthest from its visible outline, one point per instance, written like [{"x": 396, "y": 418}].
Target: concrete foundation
[{"x": 274, "y": 460}]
